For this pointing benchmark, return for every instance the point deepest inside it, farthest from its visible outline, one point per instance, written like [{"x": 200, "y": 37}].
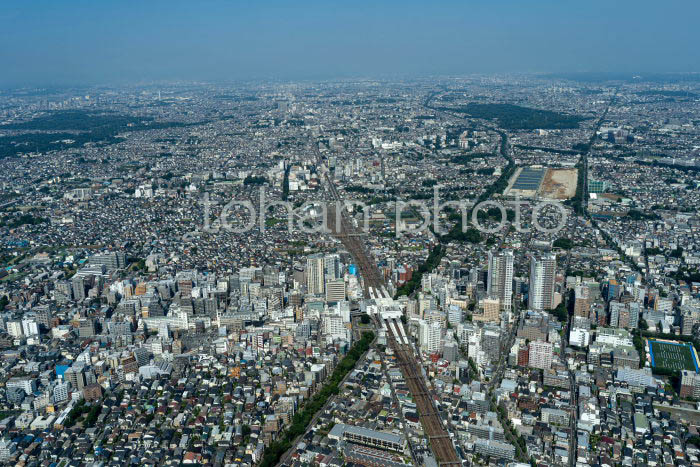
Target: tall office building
[
  {"x": 542, "y": 271},
  {"x": 624, "y": 315},
  {"x": 64, "y": 290},
  {"x": 44, "y": 314},
  {"x": 331, "y": 266},
  {"x": 76, "y": 377},
  {"x": 629, "y": 317},
  {"x": 271, "y": 275},
  {"x": 614, "y": 289},
  {"x": 78, "y": 288},
  {"x": 690, "y": 317},
  {"x": 491, "y": 342},
  {"x": 335, "y": 290},
  {"x": 500, "y": 278},
  {"x": 315, "y": 275}
]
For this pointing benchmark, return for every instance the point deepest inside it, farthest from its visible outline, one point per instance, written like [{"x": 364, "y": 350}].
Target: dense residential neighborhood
[{"x": 263, "y": 274}]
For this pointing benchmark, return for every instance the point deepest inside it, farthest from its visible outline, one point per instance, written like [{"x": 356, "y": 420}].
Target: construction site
[{"x": 559, "y": 184}]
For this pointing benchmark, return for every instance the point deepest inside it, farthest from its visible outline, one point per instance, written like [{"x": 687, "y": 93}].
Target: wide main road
[{"x": 440, "y": 441}]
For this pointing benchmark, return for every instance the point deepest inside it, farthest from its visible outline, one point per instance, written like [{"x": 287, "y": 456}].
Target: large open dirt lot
[{"x": 559, "y": 184}]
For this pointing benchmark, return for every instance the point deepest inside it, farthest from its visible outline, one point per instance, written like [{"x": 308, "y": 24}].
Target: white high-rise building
[
  {"x": 500, "y": 278},
  {"x": 580, "y": 337},
  {"x": 465, "y": 331},
  {"x": 315, "y": 275},
  {"x": 540, "y": 355},
  {"x": 30, "y": 327},
  {"x": 454, "y": 315},
  {"x": 28, "y": 385},
  {"x": 60, "y": 392},
  {"x": 542, "y": 272},
  {"x": 334, "y": 326},
  {"x": 430, "y": 337},
  {"x": 14, "y": 328},
  {"x": 7, "y": 449}
]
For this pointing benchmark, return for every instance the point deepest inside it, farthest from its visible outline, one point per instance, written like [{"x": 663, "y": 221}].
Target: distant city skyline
[{"x": 107, "y": 42}]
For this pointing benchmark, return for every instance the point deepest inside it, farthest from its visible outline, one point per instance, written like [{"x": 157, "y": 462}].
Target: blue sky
[{"x": 105, "y": 42}]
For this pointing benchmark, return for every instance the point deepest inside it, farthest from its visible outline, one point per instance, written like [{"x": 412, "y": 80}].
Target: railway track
[
  {"x": 440, "y": 441},
  {"x": 438, "y": 437}
]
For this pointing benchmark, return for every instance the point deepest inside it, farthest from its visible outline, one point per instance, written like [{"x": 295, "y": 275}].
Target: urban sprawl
[{"x": 138, "y": 329}]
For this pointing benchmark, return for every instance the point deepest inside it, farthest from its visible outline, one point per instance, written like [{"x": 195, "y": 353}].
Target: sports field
[{"x": 672, "y": 355}]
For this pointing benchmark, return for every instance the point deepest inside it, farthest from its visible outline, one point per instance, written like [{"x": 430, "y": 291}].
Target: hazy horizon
[{"x": 107, "y": 42}]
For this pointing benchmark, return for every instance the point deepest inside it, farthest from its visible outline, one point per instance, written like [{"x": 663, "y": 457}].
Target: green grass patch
[{"x": 670, "y": 356}]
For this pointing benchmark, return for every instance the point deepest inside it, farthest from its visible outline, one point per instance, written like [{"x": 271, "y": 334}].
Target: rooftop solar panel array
[{"x": 529, "y": 179}]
